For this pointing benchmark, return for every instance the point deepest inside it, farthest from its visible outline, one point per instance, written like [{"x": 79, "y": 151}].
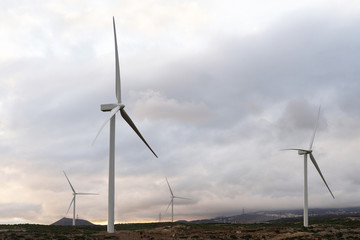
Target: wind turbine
[
  {"x": 74, "y": 198},
  {"x": 113, "y": 109},
  {"x": 307, "y": 152},
  {"x": 172, "y": 201}
]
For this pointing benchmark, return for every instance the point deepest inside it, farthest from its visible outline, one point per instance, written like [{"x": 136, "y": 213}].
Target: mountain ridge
[
  {"x": 283, "y": 215},
  {"x": 68, "y": 222}
]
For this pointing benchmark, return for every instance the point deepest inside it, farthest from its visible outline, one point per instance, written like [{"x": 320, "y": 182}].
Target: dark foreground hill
[
  {"x": 332, "y": 228},
  {"x": 68, "y": 222}
]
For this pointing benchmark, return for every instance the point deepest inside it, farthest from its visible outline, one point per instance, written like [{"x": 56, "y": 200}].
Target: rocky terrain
[{"x": 329, "y": 228}]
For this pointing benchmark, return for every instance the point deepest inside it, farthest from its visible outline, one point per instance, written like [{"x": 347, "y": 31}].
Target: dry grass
[{"x": 334, "y": 228}]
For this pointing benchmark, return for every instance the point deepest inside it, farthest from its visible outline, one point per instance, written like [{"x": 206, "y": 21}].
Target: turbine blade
[
  {"x": 69, "y": 183},
  {"x": 168, "y": 205},
  {"x": 316, "y": 125},
  {"x": 117, "y": 67},
  {"x": 169, "y": 187},
  {"x": 70, "y": 205},
  {"x": 132, "y": 125},
  {"x": 112, "y": 113},
  {"x": 297, "y": 149},
  {"x": 318, "y": 169}
]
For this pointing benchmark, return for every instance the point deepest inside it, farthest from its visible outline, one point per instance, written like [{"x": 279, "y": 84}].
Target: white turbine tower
[
  {"x": 307, "y": 152},
  {"x": 73, "y": 201},
  {"x": 113, "y": 109},
  {"x": 172, "y": 201}
]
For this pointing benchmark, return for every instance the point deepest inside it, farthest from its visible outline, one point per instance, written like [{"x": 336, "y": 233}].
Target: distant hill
[
  {"x": 68, "y": 222},
  {"x": 284, "y": 215}
]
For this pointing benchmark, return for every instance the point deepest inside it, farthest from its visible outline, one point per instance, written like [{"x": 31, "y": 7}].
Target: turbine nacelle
[
  {"x": 299, "y": 150},
  {"x": 303, "y": 152},
  {"x": 111, "y": 106}
]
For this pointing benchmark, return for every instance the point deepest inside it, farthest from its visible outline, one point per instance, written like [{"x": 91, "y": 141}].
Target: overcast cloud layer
[{"x": 216, "y": 88}]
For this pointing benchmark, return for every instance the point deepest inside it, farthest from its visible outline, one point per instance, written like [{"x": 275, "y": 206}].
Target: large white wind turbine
[
  {"x": 73, "y": 201},
  {"x": 172, "y": 201},
  {"x": 307, "y": 152},
  {"x": 113, "y": 109}
]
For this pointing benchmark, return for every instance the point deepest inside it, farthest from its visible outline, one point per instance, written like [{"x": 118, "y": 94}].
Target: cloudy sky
[{"x": 217, "y": 88}]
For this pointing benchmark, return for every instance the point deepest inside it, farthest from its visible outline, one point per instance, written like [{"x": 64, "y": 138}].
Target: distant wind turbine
[
  {"x": 113, "y": 109},
  {"x": 172, "y": 201},
  {"x": 306, "y": 152},
  {"x": 73, "y": 201}
]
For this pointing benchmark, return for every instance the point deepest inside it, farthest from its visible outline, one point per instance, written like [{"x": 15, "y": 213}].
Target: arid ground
[{"x": 333, "y": 228}]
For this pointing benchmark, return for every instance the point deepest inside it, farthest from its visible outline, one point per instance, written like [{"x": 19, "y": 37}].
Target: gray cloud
[{"x": 11, "y": 211}]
